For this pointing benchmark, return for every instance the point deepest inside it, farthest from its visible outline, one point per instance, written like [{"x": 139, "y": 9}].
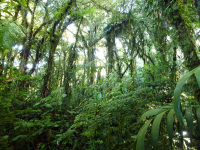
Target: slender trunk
[
  {"x": 2, "y": 65},
  {"x": 64, "y": 68},
  {"x": 38, "y": 55},
  {"x": 84, "y": 73},
  {"x": 119, "y": 67},
  {"x": 90, "y": 57},
  {"x": 70, "y": 76},
  {"x": 91, "y": 70},
  {"x": 69, "y": 73},
  {"x": 47, "y": 78},
  {"x": 132, "y": 46},
  {"x": 24, "y": 58},
  {"x": 110, "y": 52},
  {"x": 16, "y": 12},
  {"x": 59, "y": 70},
  {"x": 88, "y": 68},
  {"x": 174, "y": 66},
  {"x": 28, "y": 40},
  {"x": 98, "y": 76},
  {"x": 133, "y": 67}
]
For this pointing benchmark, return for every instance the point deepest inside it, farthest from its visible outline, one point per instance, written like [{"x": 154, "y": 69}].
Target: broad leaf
[
  {"x": 155, "y": 129},
  {"x": 197, "y": 74},
  {"x": 141, "y": 136},
  {"x": 189, "y": 119},
  {"x": 38, "y": 132},
  {"x": 36, "y": 104},
  {"x": 19, "y": 136},
  {"x": 167, "y": 107},
  {"x": 198, "y": 117},
  {"x": 151, "y": 113},
  {"x": 48, "y": 105},
  {"x": 177, "y": 93},
  {"x": 170, "y": 118}
]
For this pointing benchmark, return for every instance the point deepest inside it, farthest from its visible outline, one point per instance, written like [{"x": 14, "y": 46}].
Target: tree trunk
[
  {"x": 110, "y": 50},
  {"x": 46, "y": 86},
  {"x": 174, "y": 66},
  {"x": 2, "y": 65},
  {"x": 91, "y": 69},
  {"x": 186, "y": 41},
  {"x": 184, "y": 34},
  {"x": 69, "y": 73}
]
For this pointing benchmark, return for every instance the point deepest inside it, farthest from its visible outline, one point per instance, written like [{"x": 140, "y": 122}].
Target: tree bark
[
  {"x": 46, "y": 86},
  {"x": 185, "y": 34},
  {"x": 110, "y": 50},
  {"x": 57, "y": 30},
  {"x": 174, "y": 66}
]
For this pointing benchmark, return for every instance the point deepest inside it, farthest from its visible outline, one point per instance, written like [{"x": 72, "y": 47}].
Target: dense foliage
[{"x": 99, "y": 75}]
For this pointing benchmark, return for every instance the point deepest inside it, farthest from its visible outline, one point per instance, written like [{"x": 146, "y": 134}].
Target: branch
[
  {"x": 102, "y": 7},
  {"x": 84, "y": 41},
  {"x": 149, "y": 58},
  {"x": 77, "y": 34},
  {"x": 41, "y": 26}
]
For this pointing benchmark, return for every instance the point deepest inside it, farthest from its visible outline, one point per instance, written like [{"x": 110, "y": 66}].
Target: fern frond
[{"x": 10, "y": 33}]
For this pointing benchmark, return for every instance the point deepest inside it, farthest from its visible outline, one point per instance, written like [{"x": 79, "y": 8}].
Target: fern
[{"x": 10, "y": 33}]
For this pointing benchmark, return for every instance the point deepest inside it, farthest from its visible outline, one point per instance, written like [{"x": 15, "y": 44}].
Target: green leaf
[
  {"x": 170, "y": 118},
  {"x": 141, "y": 136},
  {"x": 155, "y": 129},
  {"x": 19, "y": 136},
  {"x": 43, "y": 146},
  {"x": 10, "y": 32},
  {"x": 67, "y": 135},
  {"x": 151, "y": 113},
  {"x": 5, "y": 137},
  {"x": 167, "y": 107},
  {"x": 63, "y": 95},
  {"x": 189, "y": 119},
  {"x": 37, "y": 132},
  {"x": 48, "y": 105},
  {"x": 198, "y": 117},
  {"x": 36, "y": 104},
  {"x": 175, "y": 7},
  {"x": 191, "y": 54},
  {"x": 197, "y": 74},
  {"x": 177, "y": 93},
  {"x": 133, "y": 146},
  {"x": 56, "y": 125}
]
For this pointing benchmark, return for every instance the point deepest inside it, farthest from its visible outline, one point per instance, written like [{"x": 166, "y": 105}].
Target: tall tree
[{"x": 56, "y": 31}]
